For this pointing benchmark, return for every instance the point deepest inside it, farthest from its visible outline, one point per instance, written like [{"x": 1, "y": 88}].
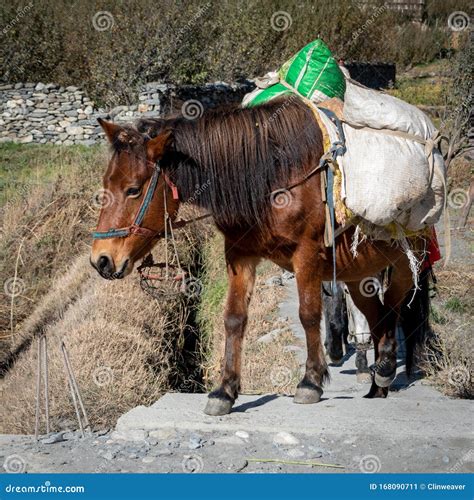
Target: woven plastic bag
[
  {"x": 389, "y": 178},
  {"x": 312, "y": 72}
]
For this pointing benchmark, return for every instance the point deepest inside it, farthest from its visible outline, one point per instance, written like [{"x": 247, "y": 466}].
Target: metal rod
[
  {"x": 38, "y": 389},
  {"x": 46, "y": 380},
  {"x": 76, "y": 387},
  {"x": 71, "y": 387}
]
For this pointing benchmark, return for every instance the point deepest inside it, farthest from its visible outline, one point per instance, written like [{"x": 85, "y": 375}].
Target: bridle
[{"x": 136, "y": 226}]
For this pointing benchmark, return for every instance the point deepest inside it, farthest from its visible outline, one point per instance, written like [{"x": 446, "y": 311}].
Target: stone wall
[{"x": 49, "y": 113}]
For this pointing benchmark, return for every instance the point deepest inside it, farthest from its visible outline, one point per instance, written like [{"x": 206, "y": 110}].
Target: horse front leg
[
  {"x": 241, "y": 276},
  {"x": 308, "y": 280}
]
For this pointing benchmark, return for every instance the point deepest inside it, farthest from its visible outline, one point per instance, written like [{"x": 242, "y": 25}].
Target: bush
[{"x": 197, "y": 41}]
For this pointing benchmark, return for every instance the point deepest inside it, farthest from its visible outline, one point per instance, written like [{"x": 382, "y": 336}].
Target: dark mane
[{"x": 231, "y": 158}]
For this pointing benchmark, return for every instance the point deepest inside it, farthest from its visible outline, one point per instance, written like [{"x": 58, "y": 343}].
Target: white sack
[{"x": 389, "y": 178}]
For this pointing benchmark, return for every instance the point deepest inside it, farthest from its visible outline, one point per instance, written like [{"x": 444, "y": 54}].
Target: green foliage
[
  {"x": 455, "y": 305},
  {"x": 214, "y": 287},
  {"x": 196, "y": 41},
  {"x": 425, "y": 92},
  {"x": 437, "y": 317}
]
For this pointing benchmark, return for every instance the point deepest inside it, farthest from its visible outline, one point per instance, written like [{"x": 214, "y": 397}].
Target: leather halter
[{"x": 136, "y": 226}]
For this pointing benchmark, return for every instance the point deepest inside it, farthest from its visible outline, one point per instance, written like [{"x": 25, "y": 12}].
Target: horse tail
[{"x": 415, "y": 318}]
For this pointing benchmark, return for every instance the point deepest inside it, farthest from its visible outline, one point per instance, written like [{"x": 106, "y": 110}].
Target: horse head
[{"x": 136, "y": 198}]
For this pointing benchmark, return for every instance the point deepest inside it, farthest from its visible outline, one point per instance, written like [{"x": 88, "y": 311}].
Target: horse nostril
[{"x": 104, "y": 265}]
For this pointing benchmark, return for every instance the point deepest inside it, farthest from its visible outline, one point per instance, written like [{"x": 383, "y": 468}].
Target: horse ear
[
  {"x": 156, "y": 147},
  {"x": 112, "y": 130}
]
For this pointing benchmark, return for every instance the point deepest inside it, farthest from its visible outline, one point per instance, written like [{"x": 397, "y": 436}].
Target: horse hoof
[
  {"x": 383, "y": 381},
  {"x": 364, "y": 377},
  {"x": 335, "y": 361},
  {"x": 377, "y": 392},
  {"x": 216, "y": 407},
  {"x": 306, "y": 395}
]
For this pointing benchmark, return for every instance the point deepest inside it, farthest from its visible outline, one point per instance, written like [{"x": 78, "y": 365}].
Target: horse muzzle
[{"x": 105, "y": 266}]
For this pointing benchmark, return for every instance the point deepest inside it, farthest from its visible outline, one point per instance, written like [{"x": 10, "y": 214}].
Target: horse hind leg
[
  {"x": 383, "y": 372},
  {"x": 335, "y": 323}
]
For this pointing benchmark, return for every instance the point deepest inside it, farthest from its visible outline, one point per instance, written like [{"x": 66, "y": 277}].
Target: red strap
[
  {"x": 172, "y": 186},
  {"x": 142, "y": 231},
  {"x": 433, "y": 251}
]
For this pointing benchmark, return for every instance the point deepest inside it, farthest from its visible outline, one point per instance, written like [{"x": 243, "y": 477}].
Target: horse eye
[{"x": 133, "y": 191}]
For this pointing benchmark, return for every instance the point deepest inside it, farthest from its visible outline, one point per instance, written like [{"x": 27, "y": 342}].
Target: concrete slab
[{"x": 421, "y": 413}]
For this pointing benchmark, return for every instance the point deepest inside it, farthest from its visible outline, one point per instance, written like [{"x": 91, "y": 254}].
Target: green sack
[{"x": 313, "y": 72}]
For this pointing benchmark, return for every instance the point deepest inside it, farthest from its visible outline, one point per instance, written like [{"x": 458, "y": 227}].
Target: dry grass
[
  {"x": 265, "y": 367},
  {"x": 123, "y": 347},
  {"x": 449, "y": 360},
  {"x": 46, "y": 217},
  {"x": 110, "y": 328}
]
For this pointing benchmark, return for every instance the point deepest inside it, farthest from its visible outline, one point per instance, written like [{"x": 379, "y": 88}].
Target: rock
[
  {"x": 161, "y": 453},
  {"x": 128, "y": 435},
  {"x": 285, "y": 438},
  {"x": 74, "y": 130},
  {"x": 56, "y": 437},
  {"x": 238, "y": 465},
  {"x": 109, "y": 455},
  {"x": 27, "y": 139},
  {"x": 39, "y": 86},
  {"x": 295, "y": 453},
  {"x": 274, "y": 281},
  {"x": 148, "y": 460},
  {"x": 195, "y": 442},
  {"x": 71, "y": 88},
  {"x": 287, "y": 276},
  {"x": 271, "y": 336},
  {"x": 242, "y": 435},
  {"x": 316, "y": 452},
  {"x": 163, "y": 434}
]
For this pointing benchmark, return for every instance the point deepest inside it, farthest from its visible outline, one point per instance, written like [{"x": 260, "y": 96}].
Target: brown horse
[{"x": 235, "y": 158}]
